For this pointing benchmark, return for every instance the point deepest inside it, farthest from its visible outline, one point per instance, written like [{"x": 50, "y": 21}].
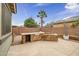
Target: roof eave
[{"x": 12, "y": 7}]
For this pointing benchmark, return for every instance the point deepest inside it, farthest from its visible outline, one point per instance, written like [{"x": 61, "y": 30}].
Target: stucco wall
[
  {"x": 62, "y": 25},
  {"x": 0, "y": 19},
  {"x": 5, "y": 29},
  {"x": 6, "y": 20},
  {"x": 4, "y": 47},
  {"x": 58, "y": 25}
]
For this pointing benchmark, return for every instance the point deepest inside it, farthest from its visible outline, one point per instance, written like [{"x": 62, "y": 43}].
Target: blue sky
[{"x": 55, "y": 12}]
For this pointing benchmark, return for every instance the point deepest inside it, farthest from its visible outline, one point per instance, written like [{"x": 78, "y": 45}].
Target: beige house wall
[
  {"x": 5, "y": 29},
  {"x": 62, "y": 25},
  {"x": 58, "y": 25},
  {"x": 69, "y": 24},
  {"x": 0, "y": 19},
  {"x": 6, "y": 20}
]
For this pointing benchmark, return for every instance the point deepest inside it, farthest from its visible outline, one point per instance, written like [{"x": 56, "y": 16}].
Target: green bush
[{"x": 30, "y": 22}]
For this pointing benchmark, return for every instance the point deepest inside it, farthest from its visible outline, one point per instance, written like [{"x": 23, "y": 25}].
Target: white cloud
[
  {"x": 72, "y": 6},
  {"x": 41, "y": 4},
  {"x": 20, "y": 24},
  {"x": 67, "y": 17}
]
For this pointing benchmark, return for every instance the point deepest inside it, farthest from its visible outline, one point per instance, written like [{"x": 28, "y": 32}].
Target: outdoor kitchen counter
[
  {"x": 32, "y": 33},
  {"x": 30, "y": 36},
  {"x": 50, "y": 37}
]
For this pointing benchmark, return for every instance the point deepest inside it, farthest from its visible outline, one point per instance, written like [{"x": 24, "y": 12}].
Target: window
[{"x": 6, "y": 20}]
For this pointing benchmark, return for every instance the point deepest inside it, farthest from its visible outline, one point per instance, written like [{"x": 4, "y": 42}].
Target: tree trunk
[{"x": 41, "y": 22}]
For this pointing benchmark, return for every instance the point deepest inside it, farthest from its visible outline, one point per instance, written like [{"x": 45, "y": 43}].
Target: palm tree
[{"x": 42, "y": 14}]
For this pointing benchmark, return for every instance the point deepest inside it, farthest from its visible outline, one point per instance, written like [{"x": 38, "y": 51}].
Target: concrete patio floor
[{"x": 46, "y": 48}]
